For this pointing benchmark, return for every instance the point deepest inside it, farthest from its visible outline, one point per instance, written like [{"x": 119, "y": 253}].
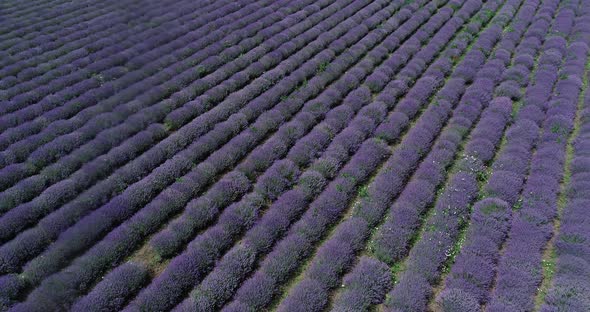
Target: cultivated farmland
[{"x": 295, "y": 155}]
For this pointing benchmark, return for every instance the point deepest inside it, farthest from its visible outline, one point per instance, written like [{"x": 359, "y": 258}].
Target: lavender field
[{"x": 295, "y": 155}]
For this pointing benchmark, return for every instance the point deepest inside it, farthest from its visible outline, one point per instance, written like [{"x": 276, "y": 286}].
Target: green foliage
[
  {"x": 322, "y": 67},
  {"x": 364, "y": 192}
]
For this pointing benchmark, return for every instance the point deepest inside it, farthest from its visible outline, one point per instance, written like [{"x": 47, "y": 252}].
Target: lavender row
[
  {"x": 391, "y": 240},
  {"x": 153, "y": 212},
  {"x": 39, "y": 181},
  {"x": 75, "y": 209},
  {"x": 413, "y": 287},
  {"x": 291, "y": 201},
  {"x": 419, "y": 193},
  {"x": 313, "y": 143},
  {"x": 256, "y": 163},
  {"x": 419, "y": 276},
  {"x": 213, "y": 138},
  {"x": 55, "y": 68},
  {"x": 64, "y": 259},
  {"x": 60, "y": 40},
  {"x": 198, "y": 215},
  {"x": 24, "y": 48},
  {"x": 74, "y": 105},
  {"x": 10, "y": 287},
  {"x": 47, "y": 230},
  {"x": 61, "y": 47},
  {"x": 326, "y": 269},
  {"x": 163, "y": 53},
  {"x": 219, "y": 275},
  {"x": 442, "y": 229},
  {"x": 277, "y": 221},
  {"x": 337, "y": 139},
  {"x": 336, "y": 255},
  {"x": 531, "y": 225},
  {"x": 12, "y": 10},
  {"x": 163, "y": 103},
  {"x": 365, "y": 286},
  {"x": 54, "y": 148},
  {"x": 80, "y": 97},
  {"x": 111, "y": 293},
  {"x": 97, "y": 65},
  {"x": 234, "y": 229},
  {"x": 259, "y": 299},
  {"x": 139, "y": 121},
  {"x": 50, "y": 32},
  {"x": 30, "y": 26},
  {"x": 160, "y": 110},
  {"x": 569, "y": 286},
  {"x": 415, "y": 197},
  {"x": 90, "y": 67},
  {"x": 169, "y": 277},
  {"x": 217, "y": 278},
  {"x": 200, "y": 254},
  {"x": 489, "y": 226},
  {"x": 513, "y": 164},
  {"x": 88, "y": 151}
]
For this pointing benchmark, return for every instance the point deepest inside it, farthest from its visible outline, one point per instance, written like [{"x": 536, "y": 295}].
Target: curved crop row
[
  {"x": 141, "y": 63},
  {"x": 391, "y": 239},
  {"x": 235, "y": 228},
  {"x": 531, "y": 225},
  {"x": 199, "y": 173},
  {"x": 225, "y": 276},
  {"x": 93, "y": 62},
  {"x": 25, "y": 209},
  {"x": 261, "y": 155},
  {"x": 305, "y": 149},
  {"x": 255, "y": 299},
  {"x": 138, "y": 61},
  {"x": 442, "y": 231},
  {"x": 489, "y": 224},
  {"x": 569, "y": 285},
  {"x": 50, "y": 49},
  {"x": 164, "y": 108},
  {"x": 416, "y": 196},
  {"x": 194, "y": 146},
  {"x": 327, "y": 269},
  {"x": 88, "y": 151}
]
